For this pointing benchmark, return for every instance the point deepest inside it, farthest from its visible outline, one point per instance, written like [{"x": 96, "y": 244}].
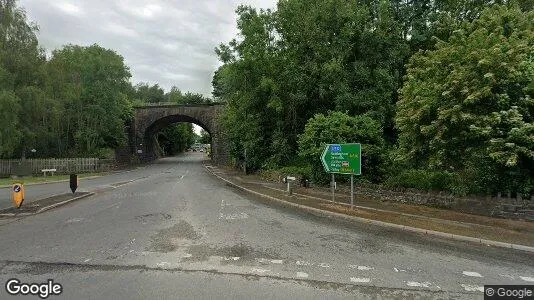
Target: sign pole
[
  {"x": 351, "y": 191},
  {"x": 333, "y": 188}
]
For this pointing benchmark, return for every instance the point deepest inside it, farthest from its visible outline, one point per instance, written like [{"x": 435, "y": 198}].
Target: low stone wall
[
  {"x": 506, "y": 207},
  {"x": 516, "y": 208}
]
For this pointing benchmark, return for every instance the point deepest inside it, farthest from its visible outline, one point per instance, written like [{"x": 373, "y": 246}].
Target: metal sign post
[
  {"x": 351, "y": 191},
  {"x": 333, "y": 188},
  {"x": 343, "y": 159}
]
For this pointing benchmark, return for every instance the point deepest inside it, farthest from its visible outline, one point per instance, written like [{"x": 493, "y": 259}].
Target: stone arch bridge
[{"x": 150, "y": 119}]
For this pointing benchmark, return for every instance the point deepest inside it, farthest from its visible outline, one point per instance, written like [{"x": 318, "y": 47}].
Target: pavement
[{"x": 171, "y": 230}]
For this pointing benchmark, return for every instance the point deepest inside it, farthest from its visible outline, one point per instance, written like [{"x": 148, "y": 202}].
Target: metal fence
[{"x": 62, "y": 165}]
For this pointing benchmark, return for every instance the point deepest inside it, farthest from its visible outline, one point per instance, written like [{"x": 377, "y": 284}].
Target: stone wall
[{"x": 499, "y": 206}]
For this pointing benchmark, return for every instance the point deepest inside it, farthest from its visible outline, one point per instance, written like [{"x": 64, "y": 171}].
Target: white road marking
[
  {"x": 74, "y": 220},
  {"x": 87, "y": 260},
  {"x": 302, "y": 275},
  {"x": 187, "y": 255},
  {"x": 161, "y": 264},
  {"x": 360, "y": 280},
  {"x": 258, "y": 270},
  {"x": 472, "y": 288},
  {"x": 365, "y": 268},
  {"x": 418, "y": 284},
  {"x": 277, "y": 261},
  {"x": 324, "y": 265},
  {"x": 399, "y": 270},
  {"x": 472, "y": 274},
  {"x": 263, "y": 260},
  {"x": 231, "y": 258},
  {"x": 238, "y": 216},
  {"x": 303, "y": 263},
  {"x": 507, "y": 276},
  {"x": 530, "y": 279}
]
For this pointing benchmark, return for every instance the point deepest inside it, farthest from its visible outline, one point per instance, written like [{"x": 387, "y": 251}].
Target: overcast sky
[{"x": 169, "y": 42}]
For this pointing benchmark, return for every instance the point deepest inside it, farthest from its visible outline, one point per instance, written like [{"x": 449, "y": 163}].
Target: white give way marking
[{"x": 472, "y": 274}]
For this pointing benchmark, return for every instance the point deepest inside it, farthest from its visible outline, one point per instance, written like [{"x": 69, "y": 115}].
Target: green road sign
[{"x": 342, "y": 158}]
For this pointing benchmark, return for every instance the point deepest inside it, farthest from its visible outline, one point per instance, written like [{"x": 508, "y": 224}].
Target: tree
[
  {"x": 20, "y": 54},
  {"x": 468, "y": 105},
  {"x": 338, "y": 127},
  {"x": 144, "y": 93},
  {"x": 176, "y": 138},
  {"x": 175, "y": 95},
  {"x": 205, "y": 137},
  {"x": 91, "y": 85},
  {"x": 9, "y": 133}
]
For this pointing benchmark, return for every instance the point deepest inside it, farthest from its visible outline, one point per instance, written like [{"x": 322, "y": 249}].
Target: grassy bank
[{"x": 43, "y": 179}]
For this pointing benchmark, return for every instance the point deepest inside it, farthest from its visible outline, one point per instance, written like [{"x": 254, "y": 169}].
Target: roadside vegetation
[
  {"x": 440, "y": 93},
  {"x": 75, "y": 102}
]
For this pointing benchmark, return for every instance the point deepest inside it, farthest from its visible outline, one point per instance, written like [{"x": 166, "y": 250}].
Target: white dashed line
[
  {"x": 263, "y": 260},
  {"x": 277, "y": 261},
  {"x": 303, "y": 263},
  {"x": 472, "y": 274},
  {"x": 187, "y": 255},
  {"x": 302, "y": 275},
  {"x": 472, "y": 288},
  {"x": 87, "y": 260},
  {"x": 418, "y": 284},
  {"x": 360, "y": 280},
  {"x": 161, "y": 264},
  {"x": 365, "y": 268},
  {"x": 324, "y": 265},
  {"x": 530, "y": 279}
]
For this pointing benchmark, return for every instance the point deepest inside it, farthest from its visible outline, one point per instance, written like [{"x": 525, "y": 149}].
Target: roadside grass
[{"x": 43, "y": 179}]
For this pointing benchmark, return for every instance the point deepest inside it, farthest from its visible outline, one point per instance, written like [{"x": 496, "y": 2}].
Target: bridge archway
[{"x": 149, "y": 120}]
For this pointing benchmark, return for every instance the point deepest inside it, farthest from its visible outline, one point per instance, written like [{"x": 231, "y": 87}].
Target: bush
[
  {"x": 338, "y": 127},
  {"x": 423, "y": 180}
]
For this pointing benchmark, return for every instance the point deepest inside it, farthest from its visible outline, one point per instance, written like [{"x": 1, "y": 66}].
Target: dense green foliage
[
  {"x": 176, "y": 138},
  {"x": 463, "y": 70},
  {"x": 205, "y": 137},
  {"x": 342, "y": 128},
  {"x": 77, "y": 103},
  {"x": 468, "y": 105}
]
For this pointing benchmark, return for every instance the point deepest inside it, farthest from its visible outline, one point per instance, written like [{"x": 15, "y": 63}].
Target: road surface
[{"x": 172, "y": 231}]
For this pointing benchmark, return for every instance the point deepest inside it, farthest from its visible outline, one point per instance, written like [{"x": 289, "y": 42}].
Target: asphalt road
[{"x": 172, "y": 231}]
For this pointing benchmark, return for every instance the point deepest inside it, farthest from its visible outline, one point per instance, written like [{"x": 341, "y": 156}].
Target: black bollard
[{"x": 73, "y": 182}]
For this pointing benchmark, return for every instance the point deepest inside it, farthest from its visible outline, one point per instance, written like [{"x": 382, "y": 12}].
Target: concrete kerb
[
  {"x": 43, "y": 209},
  {"x": 64, "y": 202},
  {"x": 321, "y": 212}
]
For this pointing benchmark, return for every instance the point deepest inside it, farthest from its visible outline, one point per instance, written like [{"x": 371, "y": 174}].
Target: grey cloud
[{"x": 162, "y": 41}]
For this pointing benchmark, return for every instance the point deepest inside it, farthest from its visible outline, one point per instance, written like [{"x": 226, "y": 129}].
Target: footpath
[{"x": 499, "y": 232}]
